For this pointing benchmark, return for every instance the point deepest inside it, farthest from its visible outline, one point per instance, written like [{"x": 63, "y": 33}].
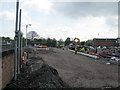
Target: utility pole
[
  {"x": 16, "y": 35},
  {"x": 19, "y": 50}
]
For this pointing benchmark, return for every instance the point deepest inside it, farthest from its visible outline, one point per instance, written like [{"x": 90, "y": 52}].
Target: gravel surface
[{"x": 81, "y": 71}]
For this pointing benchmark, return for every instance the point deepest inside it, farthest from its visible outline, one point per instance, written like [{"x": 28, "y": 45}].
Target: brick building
[{"x": 104, "y": 42}]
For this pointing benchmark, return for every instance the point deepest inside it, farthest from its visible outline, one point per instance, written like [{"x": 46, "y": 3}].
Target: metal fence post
[
  {"x": 19, "y": 42},
  {"x": 16, "y": 34},
  {"x": 21, "y": 52}
]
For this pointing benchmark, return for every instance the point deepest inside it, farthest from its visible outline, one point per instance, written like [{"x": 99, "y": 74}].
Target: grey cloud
[
  {"x": 78, "y": 9},
  {"x": 112, "y": 22}
]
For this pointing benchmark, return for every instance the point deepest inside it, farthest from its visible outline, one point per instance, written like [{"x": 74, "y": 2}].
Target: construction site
[
  {"x": 84, "y": 60},
  {"x": 61, "y": 67}
]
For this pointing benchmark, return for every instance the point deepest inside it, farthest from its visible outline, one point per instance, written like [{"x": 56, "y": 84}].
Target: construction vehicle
[
  {"x": 74, "y": 44},
  {"x": 77, "y": 44}
]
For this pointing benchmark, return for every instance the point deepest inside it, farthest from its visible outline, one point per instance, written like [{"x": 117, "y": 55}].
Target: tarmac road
[{"x": 81, "y": 71}]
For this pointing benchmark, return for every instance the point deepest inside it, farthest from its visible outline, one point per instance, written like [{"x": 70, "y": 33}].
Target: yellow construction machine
[{"x": 76, "y": 44}]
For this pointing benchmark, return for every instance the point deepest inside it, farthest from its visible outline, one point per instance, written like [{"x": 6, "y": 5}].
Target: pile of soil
[{"x": 37, "y": 74}]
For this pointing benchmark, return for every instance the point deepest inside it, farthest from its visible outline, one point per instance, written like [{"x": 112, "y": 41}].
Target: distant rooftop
[{"x": 104, "y": 38}]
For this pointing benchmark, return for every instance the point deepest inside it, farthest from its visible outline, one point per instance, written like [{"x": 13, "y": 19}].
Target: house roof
[{"x": 104, "y": 39}]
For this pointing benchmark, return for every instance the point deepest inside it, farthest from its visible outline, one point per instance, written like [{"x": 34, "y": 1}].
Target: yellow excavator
[{"x": 76, "y": 44}]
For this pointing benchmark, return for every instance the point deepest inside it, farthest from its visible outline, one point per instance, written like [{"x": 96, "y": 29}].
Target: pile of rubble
[
  {"x": 37, "y": 74},
  {"x": 112, "y": 54}
]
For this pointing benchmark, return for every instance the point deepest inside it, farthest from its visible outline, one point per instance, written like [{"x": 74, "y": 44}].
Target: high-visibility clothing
[
  {"x": 82, "y": 49},
  {"x": 75, "y": 49}
]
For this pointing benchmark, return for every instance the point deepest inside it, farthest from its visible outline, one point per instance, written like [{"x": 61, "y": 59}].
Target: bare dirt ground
[
  {"x": 80, "y": 71},
  {"x": 35, "y": 73}
]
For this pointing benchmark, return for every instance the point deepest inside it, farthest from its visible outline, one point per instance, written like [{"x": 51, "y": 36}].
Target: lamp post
[{"x": 26, "y": 33}]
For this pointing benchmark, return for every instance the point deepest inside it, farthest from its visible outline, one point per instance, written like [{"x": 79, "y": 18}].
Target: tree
[
  {"x": 38, "y": 40},
  {"x": 60, "y": 41},
  {"x": 32, "y": 35},
  {"x": 6, "y": 38},
  {"x": 49, "y": 41},
  {"x": 44, "y": 40},
  {"x": 54, "y": 41},
  {"x": 67, "y": 41}
]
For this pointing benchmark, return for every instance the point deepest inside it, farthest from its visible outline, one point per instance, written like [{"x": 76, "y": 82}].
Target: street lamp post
[{"x": 26, "y": 33}]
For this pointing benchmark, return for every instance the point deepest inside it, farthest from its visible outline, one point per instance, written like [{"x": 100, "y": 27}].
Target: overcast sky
[{"x": 85, "y": 20}]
